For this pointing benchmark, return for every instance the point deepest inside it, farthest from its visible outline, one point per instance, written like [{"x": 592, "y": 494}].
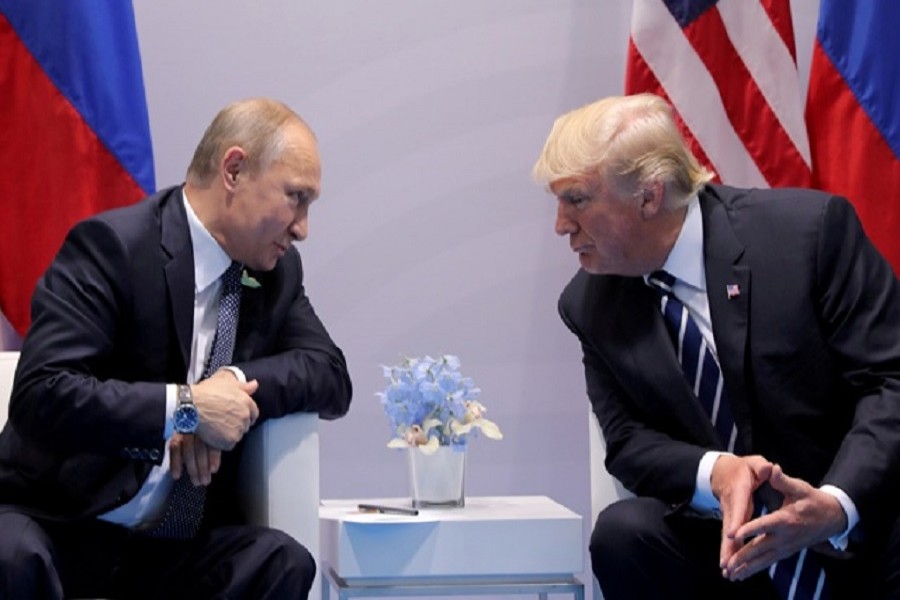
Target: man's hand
[
  {"x": 807, "y": 517},
  {"x": 226, "y": 409},
  {"x": 199, "y": 459},
  {"x": 733, "y": 481}
]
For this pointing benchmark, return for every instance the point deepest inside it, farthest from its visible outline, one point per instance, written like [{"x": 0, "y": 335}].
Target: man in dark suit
[
  {"x": 801, "y": 318},
  {"x": 111, "y": 409}
]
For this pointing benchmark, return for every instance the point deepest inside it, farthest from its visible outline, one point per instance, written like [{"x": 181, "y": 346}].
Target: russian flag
[
  {"x": 75, "y": 136},
  {"x": 853, "y": 113}
]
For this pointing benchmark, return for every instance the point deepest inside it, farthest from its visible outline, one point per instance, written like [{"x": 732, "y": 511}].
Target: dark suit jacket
[
  {"x": 809, "y": 349},
  {"x": 112, "y": 323}
]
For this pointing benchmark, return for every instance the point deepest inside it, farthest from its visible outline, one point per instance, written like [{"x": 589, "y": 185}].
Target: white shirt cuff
[
  {"x": 171, "y": 400},
  {"x": 237, "y": 373},
  {"x": 704, "y": 500},
  {"x": 840, "y": 541}
]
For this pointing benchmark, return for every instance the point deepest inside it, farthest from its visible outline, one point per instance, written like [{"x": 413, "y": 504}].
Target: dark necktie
[
  {"x": 797, "y": 577},
  {"x": 185, "y": 510},
  {"x": 697, "y": 360}
]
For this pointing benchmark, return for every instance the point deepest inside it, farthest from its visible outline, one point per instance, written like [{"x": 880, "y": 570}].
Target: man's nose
[
  {"x": 300, "y": 227},
  {"x": 565, "y": 225}
]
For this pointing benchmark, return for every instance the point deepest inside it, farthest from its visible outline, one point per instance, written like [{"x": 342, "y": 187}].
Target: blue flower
[{"x": 429, "y": 403}]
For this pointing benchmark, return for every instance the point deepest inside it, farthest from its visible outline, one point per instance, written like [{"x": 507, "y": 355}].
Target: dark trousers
[
  {"x": 640, "y": 548},
  {"x": 43, "y": 560}
]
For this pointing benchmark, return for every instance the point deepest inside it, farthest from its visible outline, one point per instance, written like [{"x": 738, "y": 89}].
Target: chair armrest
[{"x": 279, "y": 477}]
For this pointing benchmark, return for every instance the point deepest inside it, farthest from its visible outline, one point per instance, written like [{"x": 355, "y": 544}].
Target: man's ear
[
  {"x": 652, "y": 199},
  {"x": 232, "y": 164}
]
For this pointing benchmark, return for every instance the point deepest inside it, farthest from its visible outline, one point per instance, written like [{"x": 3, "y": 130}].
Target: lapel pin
[{"x": 732, "y": 290}]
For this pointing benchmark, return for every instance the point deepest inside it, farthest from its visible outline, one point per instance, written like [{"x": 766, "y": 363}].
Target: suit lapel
[
  {"x": 252, "y": 301},
  {"x": 641, "y": 339},
  {"x": 179, "y": 270},
  {"x": 728, "y": 290}
]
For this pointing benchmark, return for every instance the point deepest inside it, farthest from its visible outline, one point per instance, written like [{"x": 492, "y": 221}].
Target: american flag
[{"x": 729, "y": 69}]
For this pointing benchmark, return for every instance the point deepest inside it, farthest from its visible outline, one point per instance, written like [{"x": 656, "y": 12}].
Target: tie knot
[
  {"x": 231, "y": 279},
  {"x": 661, "y": 280}
]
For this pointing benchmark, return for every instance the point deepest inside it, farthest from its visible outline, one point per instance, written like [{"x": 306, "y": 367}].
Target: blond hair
[{"x": 630, "y": 141}]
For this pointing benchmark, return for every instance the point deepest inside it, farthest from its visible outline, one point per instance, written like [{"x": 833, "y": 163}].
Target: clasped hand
[
  {"x": 806, "y": 517},
  {"x": 227, "y": 412}
]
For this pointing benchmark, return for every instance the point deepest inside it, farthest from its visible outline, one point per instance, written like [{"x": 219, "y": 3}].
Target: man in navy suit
[
  {"x": 802, "y": 316},
  {"x": 110, "y": 405}
]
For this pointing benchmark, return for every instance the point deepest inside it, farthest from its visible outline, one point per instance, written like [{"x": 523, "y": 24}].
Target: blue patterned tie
[
  {"x": 797, "y": 577},
  {"x": 185, "y": 511}
]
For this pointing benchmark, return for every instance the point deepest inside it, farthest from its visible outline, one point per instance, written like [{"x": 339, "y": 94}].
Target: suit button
[{"x": 154, "y": 454}]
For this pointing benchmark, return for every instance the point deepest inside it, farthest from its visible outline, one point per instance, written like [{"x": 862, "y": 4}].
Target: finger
[
  {"x": 758, "y": 558},
  {"x": 766, "y": 524},
  {"x": 250, "y": 387},
  {"x": 190, "y": 459},
  {"x": 789, "y": 486},
  {"x": 201, "y": 454},
  {"x": 727, "y": 549},
  {"x": 175, "y": 456},
  {"x": 254, "y": 413},
  {"x": 215, "y": 459}
]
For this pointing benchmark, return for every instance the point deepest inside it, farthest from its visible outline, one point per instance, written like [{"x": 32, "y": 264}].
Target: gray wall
[{"x": 429, "y": 236}]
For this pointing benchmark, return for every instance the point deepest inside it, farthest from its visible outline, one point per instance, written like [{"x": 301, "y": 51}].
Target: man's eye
[{"x": 576, "y": 200}]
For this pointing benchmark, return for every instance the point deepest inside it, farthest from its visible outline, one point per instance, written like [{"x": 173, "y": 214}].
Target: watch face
[{"x": 186, "y": 418}]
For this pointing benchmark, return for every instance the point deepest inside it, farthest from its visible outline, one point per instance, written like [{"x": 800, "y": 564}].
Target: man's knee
[
  {"x": 27, "y": 568},
  {"x": 621, "y": 526},
  {"x": 289, "y": 562}
]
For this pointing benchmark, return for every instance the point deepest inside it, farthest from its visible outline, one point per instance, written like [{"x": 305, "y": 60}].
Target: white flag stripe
[
  {"x": 770, "y": 63},
  {"x": 693, "y": 92}
]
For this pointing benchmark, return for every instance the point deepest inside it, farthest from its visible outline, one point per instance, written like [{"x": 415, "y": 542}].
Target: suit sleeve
[
  {"x": 640, "y": 450},
  {"x": 63, "y": 394},
  {"x": 859, "y": 303},
  {"x": 305, "y": 371}
]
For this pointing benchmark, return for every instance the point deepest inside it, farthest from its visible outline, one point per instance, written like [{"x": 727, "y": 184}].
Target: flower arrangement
[{"x": 430, "y": 404}]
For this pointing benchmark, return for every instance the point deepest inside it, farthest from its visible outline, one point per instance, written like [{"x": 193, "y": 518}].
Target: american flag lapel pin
[{"x": 732, "y": 290}]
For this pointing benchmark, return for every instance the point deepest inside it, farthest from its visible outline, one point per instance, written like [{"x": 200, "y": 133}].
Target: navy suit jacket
[
  {"x": 809, "y": 350},
  {"x": 112, "y": 323}
]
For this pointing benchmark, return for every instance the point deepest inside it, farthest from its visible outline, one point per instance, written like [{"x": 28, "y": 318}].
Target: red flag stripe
[
  {"x": 783, "y": 24},
  {"x": 747, "y": 109},
  {"x": 639, "y": 77}
]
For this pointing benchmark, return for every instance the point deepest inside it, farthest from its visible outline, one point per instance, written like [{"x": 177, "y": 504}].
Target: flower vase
[{"x": 437, "y": 480}]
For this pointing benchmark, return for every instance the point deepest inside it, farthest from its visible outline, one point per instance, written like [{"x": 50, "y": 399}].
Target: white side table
[{"x": 494, "y": 545}]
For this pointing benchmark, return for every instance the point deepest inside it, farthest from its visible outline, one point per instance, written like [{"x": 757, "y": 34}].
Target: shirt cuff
[
  {"x": 237, "y": 373},
  {"x": 840, "y": 540},
  {"x": 704, "y": 500},
  {"x": 171, "y": 400}
]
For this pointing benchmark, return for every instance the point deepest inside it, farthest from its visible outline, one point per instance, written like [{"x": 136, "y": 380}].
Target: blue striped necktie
[
  {"x": 797, "y": 577},
  {"x": 186, "y": 501}
]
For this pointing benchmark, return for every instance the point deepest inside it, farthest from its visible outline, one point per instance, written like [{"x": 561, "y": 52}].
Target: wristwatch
[{"x": 187, "y": 418}]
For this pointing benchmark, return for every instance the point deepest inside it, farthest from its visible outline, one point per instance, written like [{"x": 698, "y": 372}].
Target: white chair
[
  {"x": 605, "y": 489},
  {"x": 279, "y": 473}
]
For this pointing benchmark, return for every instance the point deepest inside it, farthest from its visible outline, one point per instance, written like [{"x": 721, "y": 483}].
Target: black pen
[{"x": 388, "y": 510}]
